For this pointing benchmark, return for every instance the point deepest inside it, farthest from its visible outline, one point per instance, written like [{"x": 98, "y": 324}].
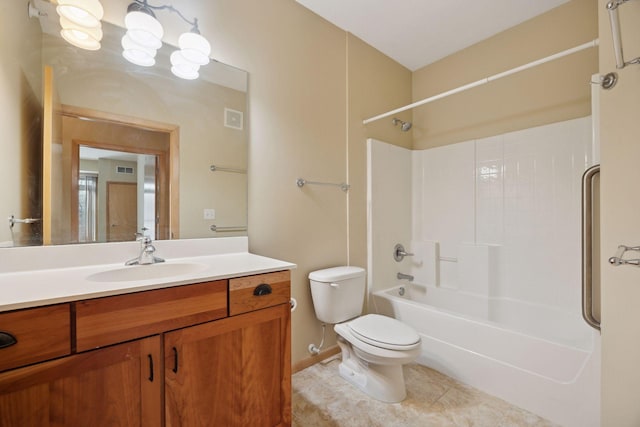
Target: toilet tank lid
[{"x": 336, "y": 273}]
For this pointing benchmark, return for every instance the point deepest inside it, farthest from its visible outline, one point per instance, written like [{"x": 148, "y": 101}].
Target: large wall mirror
[{"x": 126, "y": 148}]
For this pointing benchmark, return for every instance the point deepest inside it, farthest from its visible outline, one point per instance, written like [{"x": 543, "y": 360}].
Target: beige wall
[
  {"x": 620, "y": 173},
  {"x": 310, "y": 87},
  {"x": 20, "y": 118},
  {"x": 376, "y": 84},
  {"x": 551, "y": 92}
]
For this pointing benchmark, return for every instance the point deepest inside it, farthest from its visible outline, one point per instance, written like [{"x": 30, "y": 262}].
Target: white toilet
[{"x": 374, "y": 347}]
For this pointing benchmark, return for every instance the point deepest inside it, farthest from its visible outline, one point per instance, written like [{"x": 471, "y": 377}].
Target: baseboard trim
[{"x": 309, "y": 361}]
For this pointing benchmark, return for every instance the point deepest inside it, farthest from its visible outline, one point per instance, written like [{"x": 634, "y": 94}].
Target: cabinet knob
[
  {"x": 7, "y": 340},
  {"x": 262, "y": 289}
]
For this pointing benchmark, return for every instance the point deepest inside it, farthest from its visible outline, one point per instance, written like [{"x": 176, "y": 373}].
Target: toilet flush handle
[{"x": 335, "y": 285}]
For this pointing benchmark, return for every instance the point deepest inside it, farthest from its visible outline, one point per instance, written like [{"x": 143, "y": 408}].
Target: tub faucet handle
[{"x": 399, "y": 253}]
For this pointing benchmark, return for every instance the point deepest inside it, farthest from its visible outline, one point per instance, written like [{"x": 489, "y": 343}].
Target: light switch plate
[{"x": 209, "y": 214}]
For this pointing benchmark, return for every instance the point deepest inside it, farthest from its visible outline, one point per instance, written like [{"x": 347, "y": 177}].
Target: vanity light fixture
[
  {"x": 144, "y": 38},
  {"x": 81, "y": 22},
  {"x": 144, "y": 35}
]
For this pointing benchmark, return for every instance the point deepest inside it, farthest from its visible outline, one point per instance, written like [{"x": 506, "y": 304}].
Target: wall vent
[
  {"x": 128, "y": 170},
  {"x": 233, "y": 118}
]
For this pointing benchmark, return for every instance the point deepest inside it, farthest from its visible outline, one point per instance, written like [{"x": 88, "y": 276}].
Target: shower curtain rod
[{"x": 592, "y": 43}]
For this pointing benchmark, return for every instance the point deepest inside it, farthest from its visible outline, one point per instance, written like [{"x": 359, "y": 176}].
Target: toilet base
[{"x": 382, "y": 382}]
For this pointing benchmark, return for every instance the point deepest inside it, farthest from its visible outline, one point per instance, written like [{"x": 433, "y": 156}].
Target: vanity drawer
[
  {"x": 120, "y": 318},
  {"x": 255, "y": 292},
  {"x": 39, "y": 333}
]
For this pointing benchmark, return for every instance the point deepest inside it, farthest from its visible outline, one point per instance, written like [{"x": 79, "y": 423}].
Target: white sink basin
[{"x": 145, "y": 272}]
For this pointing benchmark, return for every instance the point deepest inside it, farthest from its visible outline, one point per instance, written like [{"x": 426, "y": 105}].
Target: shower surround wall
[
  {"x": 499, "y": 218},
  {"x": 494, "y": 225}
]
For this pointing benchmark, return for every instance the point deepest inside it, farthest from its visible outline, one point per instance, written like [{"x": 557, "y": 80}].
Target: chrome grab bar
[{"x": 587, "y": 246}]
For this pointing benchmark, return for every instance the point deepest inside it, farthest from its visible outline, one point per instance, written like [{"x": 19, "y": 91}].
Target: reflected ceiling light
[
  {"x": 194, "y": 52},
  {"x": 142, "y": 26},
  {"x": 136, "y": 53},
  {"x": 194, "y": 48},
  {"x": 79, "y": 36},
  {"x": 182, "y": 67},
  {"x": 86, "y": 13},
  {"x": 144, "y": 37},
  {"x": 80, "y": 22}
]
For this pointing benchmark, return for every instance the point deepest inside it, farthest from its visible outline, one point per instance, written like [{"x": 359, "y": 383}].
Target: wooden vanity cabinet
[
  {"x": 232, "y": 372},
  {"x": 119, "y": 385},
  {"x": 34, "y": 335},
  {"x": 186, "y": 361}
]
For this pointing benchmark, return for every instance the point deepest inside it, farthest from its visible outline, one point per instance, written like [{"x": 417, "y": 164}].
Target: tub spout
[{"x": 402, "y": 276}]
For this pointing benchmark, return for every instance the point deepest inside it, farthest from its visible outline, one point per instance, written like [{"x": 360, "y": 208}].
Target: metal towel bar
[
  {"x": 618, "y": 259},
  {"x": 301, "y": 182},
  {"x": 228, "y": 229},
  {"x": 215, "y": 168},
  {"x": 614, "y": 20}
]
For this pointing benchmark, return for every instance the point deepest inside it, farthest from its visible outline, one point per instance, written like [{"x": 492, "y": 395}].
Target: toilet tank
[{"x": 337, "y": 293}]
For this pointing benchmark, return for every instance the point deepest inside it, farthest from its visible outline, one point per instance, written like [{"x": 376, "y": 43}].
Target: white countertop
[{"x": 37, "y": 287}]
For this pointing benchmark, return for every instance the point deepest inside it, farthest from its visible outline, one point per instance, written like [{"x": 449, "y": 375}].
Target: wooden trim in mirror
[{"x": 168, "y": 183}]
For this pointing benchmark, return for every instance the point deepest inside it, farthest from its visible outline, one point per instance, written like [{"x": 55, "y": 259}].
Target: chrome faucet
[
  {"x": 402, "y": 276},
  {"x": 147, "y": 251}
]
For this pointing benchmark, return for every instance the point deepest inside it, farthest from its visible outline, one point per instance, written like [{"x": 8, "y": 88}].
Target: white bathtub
[{"x": 556, "y": 380}]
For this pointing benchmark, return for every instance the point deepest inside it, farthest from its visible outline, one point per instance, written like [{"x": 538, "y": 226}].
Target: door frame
[{"x": 167, "y": 166}]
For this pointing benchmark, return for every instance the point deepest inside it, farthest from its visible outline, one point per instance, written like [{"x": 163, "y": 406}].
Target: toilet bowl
[{"x": 374, "y": 347}]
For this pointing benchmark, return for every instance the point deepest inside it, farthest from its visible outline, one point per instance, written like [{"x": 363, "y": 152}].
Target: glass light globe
[
  {"x": 144, "y": 29},
  {"x": 80, "y": 39},
  {"x": 86, "y": 13},
  {"x": 195, "y": 48},
  {"x": 79, "y": 36},
  {"x": 93, "y": 32},
  {"x": 182, "y": 67},
  {"x": 137, "y": 54},
  {"x": 185, "y": 73}
]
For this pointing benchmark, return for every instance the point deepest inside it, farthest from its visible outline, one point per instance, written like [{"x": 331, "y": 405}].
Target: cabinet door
[
  {"x": 231, "y": 372},
  {"x": 114, "y": 386}
]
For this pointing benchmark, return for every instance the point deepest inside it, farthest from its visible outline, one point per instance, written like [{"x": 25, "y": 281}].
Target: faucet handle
[
  {"x": 399, "y": 253},
  {"x": 145, "y": 240}
]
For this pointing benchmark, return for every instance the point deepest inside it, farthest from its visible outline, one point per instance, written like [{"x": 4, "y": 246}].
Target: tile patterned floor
[{"x": 322, "y": 399}]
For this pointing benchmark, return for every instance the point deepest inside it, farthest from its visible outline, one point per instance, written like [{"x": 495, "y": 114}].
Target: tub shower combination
[{"x": 490, "y": 276}]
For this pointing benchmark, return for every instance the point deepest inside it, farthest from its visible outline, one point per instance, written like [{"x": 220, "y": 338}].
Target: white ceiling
[{"x": 416, "y": 33}]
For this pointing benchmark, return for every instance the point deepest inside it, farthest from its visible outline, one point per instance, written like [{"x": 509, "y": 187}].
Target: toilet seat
[{"x": 384, "y": 332}]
